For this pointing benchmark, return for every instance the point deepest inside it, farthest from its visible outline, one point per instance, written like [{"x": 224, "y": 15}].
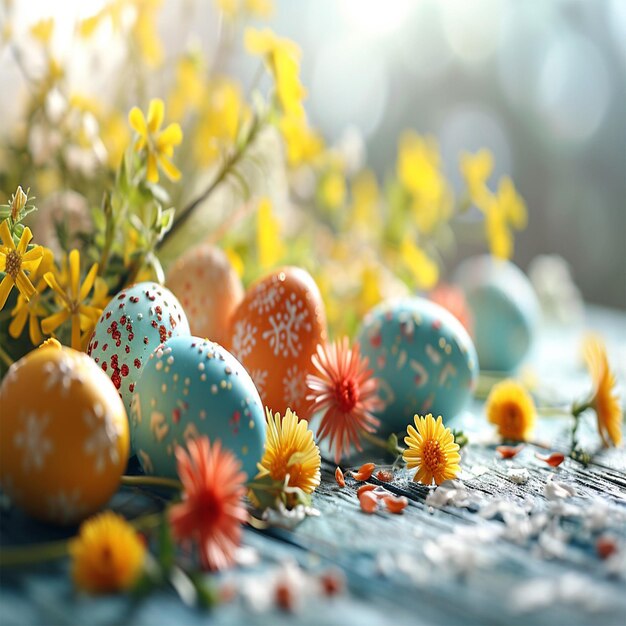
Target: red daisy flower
[
  {"x": 344, "y": 390},
  {"x": 212, "y": 509}
]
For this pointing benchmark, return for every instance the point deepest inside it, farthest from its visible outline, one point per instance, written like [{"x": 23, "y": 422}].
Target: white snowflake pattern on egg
[{"x": 134, "y": 323}]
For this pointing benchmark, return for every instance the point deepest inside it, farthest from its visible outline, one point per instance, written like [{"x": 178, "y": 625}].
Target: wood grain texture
[{"x": 491, "y": 574}]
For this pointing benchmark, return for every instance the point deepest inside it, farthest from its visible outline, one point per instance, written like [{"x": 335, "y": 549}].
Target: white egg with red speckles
[{"x": 136, "y": 321}]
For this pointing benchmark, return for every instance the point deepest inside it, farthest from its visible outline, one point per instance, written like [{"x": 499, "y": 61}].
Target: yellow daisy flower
[
  {"x": 290, "y": 449},
  {"x": 511, "y": 408},
  {"x": 604, "y": 400},
  {"x": 158, "y": 144},
  {"x": 15, "y": 261},
  {"x": 432, "y": 450},
  {"x": 108, "y": 555},
  {"x": 72, "y": 297},
  {"x": 31, "y": 310}
]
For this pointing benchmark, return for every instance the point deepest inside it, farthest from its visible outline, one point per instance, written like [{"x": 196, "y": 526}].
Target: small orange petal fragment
[
  {"x": 364, "y": 488},
  {"x": 369, "y": 502},
  {"x": 364, "y": 472},
  {"x": 554, "y": 460},
  {"x": 341, "y": 481},
  {"x": 605, "y": 547},
  {"x": 284, "y": 596},
  {"x": 508, "y": 452},
  {"x": 395, "y": 504},
  {"x": 385, "y": 476},
  {"x": 333, "y": 582}
]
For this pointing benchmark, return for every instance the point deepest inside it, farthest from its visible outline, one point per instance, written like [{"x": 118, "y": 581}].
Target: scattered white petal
[
  {"x": 518, "y": 475},
  {"x": 557, "y": 490},
  {"x": 289, "y": 518},
  {"x": 449, "y": 493}
]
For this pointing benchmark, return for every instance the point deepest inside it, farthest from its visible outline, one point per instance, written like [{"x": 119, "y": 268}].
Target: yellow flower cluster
[{"x": 504, "y": 210}]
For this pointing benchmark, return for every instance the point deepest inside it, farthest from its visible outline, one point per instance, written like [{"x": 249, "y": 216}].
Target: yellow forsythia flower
[
  {"x": 423, "y": 269},
  {"x": 269, "y": 243}
]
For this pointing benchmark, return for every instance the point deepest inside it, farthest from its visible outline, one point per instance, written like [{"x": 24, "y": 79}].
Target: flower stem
[
  {"x": 380, "y": 442},
  {"x": 53, "y": 550},
  {"x": 229, "y": 164},
  {"x": 5, "y": 357},
  {"x": 151, "y": 481}
]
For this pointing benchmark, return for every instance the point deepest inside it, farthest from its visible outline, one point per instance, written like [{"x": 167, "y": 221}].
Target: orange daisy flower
[
  {"x": 344, "y": 390},
  {"x": 604, "y": 400},
  {"x": 212, "y": 509}
]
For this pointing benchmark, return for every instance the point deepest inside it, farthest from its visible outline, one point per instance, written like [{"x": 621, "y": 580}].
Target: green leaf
[
  {"x": 166, "y": 549},
  {"x": 207, "y": 596}
]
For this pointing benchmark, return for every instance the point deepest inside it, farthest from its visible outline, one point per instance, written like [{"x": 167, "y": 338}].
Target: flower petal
[
  {"x": 170, "y": 136},
  {"x": 52, "y": 322},
  {"x": 156, "y": 110},
  {"x": 88, "y": 282},
  {"x": 5, "y": 235},
  {"x": 170, "y": 169},
  {"x": 137, "y": 121},
  {"x": 152, "y": 171}
]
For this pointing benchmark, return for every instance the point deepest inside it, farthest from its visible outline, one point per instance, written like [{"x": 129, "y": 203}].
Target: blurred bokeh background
[{"x": 542, "y": 84}]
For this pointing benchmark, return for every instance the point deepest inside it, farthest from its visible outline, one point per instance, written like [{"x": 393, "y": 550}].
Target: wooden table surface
[{"x": 490, "y": 551}]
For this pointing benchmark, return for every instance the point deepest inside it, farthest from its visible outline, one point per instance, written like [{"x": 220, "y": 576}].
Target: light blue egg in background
[
  {"x": 191, "y": 387},
  {"x": 505, "y": 309},
  {"x": 423, "y": 358}
]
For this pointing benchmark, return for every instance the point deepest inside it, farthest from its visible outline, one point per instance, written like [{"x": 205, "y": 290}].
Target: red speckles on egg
[
  {"x": 104, "y": 366},
  {"x": 176, "y": 415},
  {"x": 137, "y": 363},
  {"x": 163, "y": 334},
  {"x": 124, "y": 370}
]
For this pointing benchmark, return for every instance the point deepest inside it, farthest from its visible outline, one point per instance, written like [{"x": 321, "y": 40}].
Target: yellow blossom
[
  {"x": 31, "y": 310},
  {"x": 282, "y": 57},
  {"x": 303, "y": 144},
  {"x": 604, "y": 400},
  {"x": 43, "y": 30},
  {"x": 235, "y": 260},
  {"x": 511, "y": 408},
  {"x": 476, "y": 169},
  {"x": 189, "y": 88},
  {"x": 222, "y": 111},
  {"x": 115, "y": 137},
  {"x": 504, "y": 211},
  {"x": 290, "y": 450},
  {"x": 15, "y": 261},
  {"x": 423, "y": 269},
  {"x": 270, "y": 247},
  {"x": 145, "y": 31},
  {"x": 365, "y": 200},
  {"x": 332, "y": 190},
  {"x": 432, "y": 450},
  {"x": 158, "y": 144},
  {"x": 108, "y": 555},
  {"x": 72, "y": 297},
  {"x": 259, "y": 8},
  {"x": 418, "y": 170}
]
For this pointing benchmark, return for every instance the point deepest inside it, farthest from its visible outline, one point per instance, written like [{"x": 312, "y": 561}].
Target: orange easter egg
[
  {"x": 275, "y": 332},
  {"x": 64, "y": 443},
  {"x": 209, "y": 289}
]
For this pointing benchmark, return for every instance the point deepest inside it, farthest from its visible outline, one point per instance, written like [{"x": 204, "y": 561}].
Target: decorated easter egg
[
  {"x": 191, "y": 387},
  {"x": 209, "y": 289},
  {"x": 423, "y": 358},
  {"x": 64, "y": 447},
  {"x": 275, "y": 332},
  {"x": 134, "y": 323},
  {"x": 505, "y": 310}
]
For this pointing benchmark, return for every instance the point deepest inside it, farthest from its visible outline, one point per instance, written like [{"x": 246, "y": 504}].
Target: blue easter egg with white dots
[
  {"x": 505, "y": 310},
  {"x": 136, "y": 321},
  {"x": 423, "y": 358},
  {"x": 191, "y": 387}
]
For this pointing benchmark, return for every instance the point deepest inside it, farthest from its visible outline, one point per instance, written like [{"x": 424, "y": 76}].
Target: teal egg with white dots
[
  {"x": 191, "y": 387},
  {"x": 423, "y": 358}
]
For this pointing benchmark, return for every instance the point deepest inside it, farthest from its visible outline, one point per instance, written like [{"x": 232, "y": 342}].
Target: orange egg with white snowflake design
[
  {"x": 275, "y": 332},
  {"x": 65, "y": 439}
]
